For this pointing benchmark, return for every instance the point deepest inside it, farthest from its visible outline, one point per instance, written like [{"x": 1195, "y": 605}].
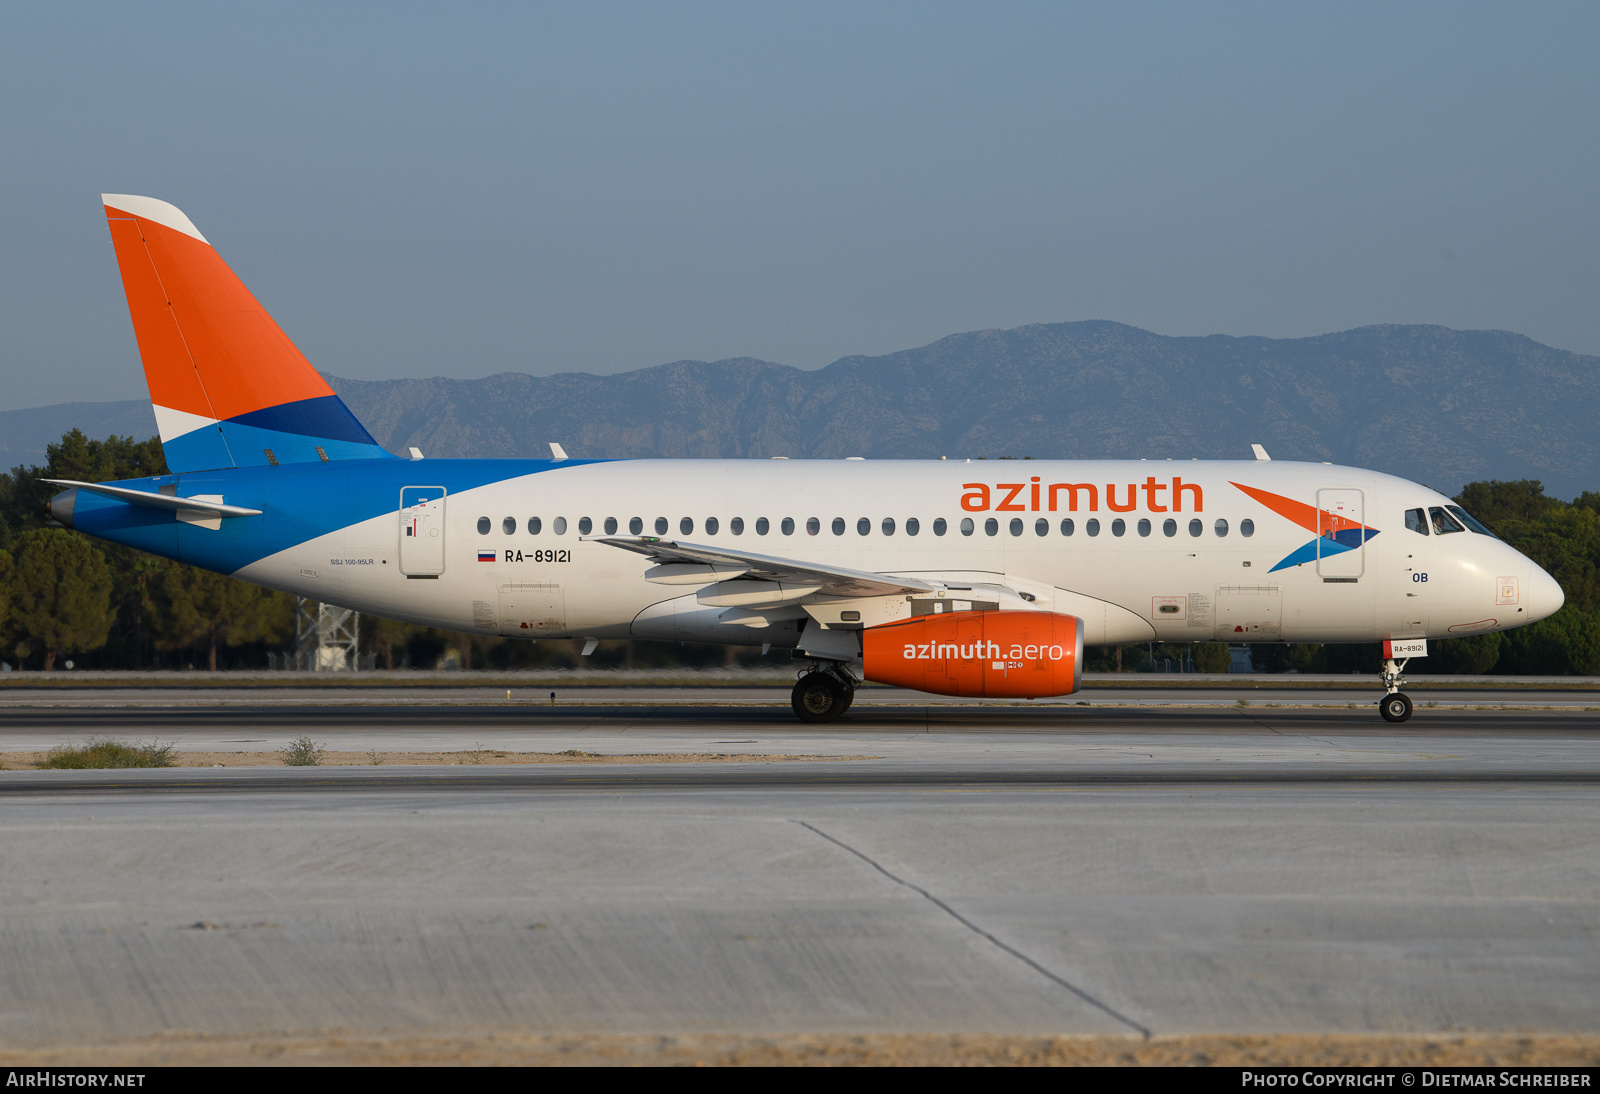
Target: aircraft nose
[{"x": 1544, "y": 594}]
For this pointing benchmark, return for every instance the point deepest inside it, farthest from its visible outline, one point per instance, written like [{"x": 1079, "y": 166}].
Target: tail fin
[{"x": 229, "y": 388}]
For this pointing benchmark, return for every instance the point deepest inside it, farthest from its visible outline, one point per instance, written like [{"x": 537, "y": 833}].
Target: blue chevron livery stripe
[
  {"x": 1347, "y": 540},
  {"x": 326, "y": 418}
]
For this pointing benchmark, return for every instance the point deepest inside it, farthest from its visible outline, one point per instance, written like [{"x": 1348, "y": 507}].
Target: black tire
[
  {"x": 849, "y": 697},
  {"x": 819, "y": 697},
  {"x": 1395, "y": 707}
]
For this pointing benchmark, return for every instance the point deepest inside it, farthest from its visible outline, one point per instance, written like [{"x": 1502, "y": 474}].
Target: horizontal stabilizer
[{"x": 159, "y": 501}]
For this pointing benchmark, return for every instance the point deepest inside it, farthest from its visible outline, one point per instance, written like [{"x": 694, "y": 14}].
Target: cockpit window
[
  {"x": 1417, "y": 520},
  {"x": 1471, "y": 522},
  {"x": 1443, "y": 523}
]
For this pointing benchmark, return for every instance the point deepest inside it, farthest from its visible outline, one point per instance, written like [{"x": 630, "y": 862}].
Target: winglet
[
  {"x": 557, "y": 452},
  {"x": 1261, "y": 453}
]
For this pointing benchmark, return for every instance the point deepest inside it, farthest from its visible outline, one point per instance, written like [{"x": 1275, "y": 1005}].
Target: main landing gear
[
  {"x": 1395, "y": 706},
  {"x": 823, "y": 693}
]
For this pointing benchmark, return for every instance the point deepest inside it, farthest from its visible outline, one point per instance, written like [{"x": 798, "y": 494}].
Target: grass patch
[
  {"x": 302, "y": 752},
  {"x": 102, "y": 754}
]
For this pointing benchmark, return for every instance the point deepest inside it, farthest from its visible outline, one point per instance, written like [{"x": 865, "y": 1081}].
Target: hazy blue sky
[{"x": 467, "y": 189}]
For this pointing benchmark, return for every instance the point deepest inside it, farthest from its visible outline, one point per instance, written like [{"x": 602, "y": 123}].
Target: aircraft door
[
  {"x": 422, "y": 531},
  {"x": 1341, "y": 534}
]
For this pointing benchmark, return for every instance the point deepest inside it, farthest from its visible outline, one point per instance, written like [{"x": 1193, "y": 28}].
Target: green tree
[
  {"x": 383, "y": 635},
  {"x": 61, "y": 594},
  {"x": 23, "y": 492},
  {"x": 1563, "y": 539},
  {"x": 22, "y": 497},
  {"x": 1293, "y": 657},
  {"x": 200, "y": 608},
  {"x": 1472, "y": 655},
  {"x": 1495, "y": 502},
  {"x": 7, "y": 570}
]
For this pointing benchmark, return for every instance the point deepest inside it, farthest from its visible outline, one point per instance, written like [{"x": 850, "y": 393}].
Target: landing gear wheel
[
  {"x": 820, "y": 697},
  {"x": 1395, "y": 707}
]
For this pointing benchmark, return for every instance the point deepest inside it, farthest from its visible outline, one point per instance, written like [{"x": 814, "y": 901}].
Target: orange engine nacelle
[{"x": 1014, "y": 655}]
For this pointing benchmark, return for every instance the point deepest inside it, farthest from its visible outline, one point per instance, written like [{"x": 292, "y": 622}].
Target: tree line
[{"x": 66, "y": 597}]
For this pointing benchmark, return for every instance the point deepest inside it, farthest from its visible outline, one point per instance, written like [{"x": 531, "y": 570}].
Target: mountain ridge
[{"x": 1425, "y": 402}]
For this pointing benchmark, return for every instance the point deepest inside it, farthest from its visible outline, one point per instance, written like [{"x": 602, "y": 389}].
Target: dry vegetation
[
  {"x": 834, "y": 1050},
  {"x": 15, "y": 761},
  {"x": 109, "y": 754}
]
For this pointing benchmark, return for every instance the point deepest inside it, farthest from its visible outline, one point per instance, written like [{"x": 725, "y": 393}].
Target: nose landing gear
[
  {"x": 1395, "y": 706},
  {"x": 823, "y": 694}
]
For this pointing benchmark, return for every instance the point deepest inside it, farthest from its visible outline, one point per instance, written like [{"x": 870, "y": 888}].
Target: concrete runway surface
[{"x": 996, "y": 869}]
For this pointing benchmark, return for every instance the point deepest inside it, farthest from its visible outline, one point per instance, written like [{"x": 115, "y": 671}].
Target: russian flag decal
[{"x": 485, "y": 556}]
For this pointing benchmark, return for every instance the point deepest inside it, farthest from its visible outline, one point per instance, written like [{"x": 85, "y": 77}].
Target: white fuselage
[{"x": 1180, "y": 582}]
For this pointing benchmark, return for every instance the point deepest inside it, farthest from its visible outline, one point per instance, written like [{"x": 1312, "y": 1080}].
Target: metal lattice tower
[{"x": 325, "y": 637}]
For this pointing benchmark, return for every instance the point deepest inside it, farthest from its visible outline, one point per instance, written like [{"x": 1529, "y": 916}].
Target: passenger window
[
  {"x": 712, "y": 524},
  {"x": 1041, "y": 527},
  {"x": 863, "y": 527},
  {"x": 939, "y": 526},
  {"x": 967, "y": 526},
  {"x": 787, "y": 527},
  {"x": 635, "y": 526},
  {"x": 585, "y": 526},
  {"x": 661, "y": 526},
  {"x": 1119, "y": 526},
  {"x": 1247, "y": 527},
  {"x": 1092, "y": 526},
  {"x": 1417, "y": 521},
  {"x": 559, "y": 526},
  {"x": 509, "y": 526},
  {"x": 1169, "y": 528},
  {"x": 913, "y": 526},
  {"x": 736, "y": 526},
  {"x": 763, "y": 526},
  {"x": 535, "y": 526},
  {"x": 1443, "y": 523},
  {"x": 813, "y": 526},
  {"x": 888, "y": 526},
  {"x": 1066, "y": 526},
  {"x": 1144, "y": 527},
  {"x": 1221, "y": 528},
  {"x": 991, "y": 527},
  {"x": 838, "y": 526},
  {"x": 686, "y": 526},
  {"x": 483, "y": 526},
  {"x": 1016, "y": 526},
  {"x": 1195, "y": 527},
  {"x": 611, "y": 526}
]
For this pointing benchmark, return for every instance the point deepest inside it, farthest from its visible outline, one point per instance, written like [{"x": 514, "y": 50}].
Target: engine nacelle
[{"x": 1010, "y": 654}]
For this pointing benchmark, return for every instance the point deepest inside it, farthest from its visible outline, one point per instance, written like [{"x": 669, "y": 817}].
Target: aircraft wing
[{"x": 724, "y": 563}]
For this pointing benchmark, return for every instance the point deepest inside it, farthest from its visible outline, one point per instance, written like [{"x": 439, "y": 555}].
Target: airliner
[{"x": 954, "y": 577}]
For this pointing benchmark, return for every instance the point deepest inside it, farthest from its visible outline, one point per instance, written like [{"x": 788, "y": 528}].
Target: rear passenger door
[{"x": 422, "y": 537}]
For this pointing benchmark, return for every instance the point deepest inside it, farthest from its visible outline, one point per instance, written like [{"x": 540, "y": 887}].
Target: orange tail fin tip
[{"x": 228, "y": 387}]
